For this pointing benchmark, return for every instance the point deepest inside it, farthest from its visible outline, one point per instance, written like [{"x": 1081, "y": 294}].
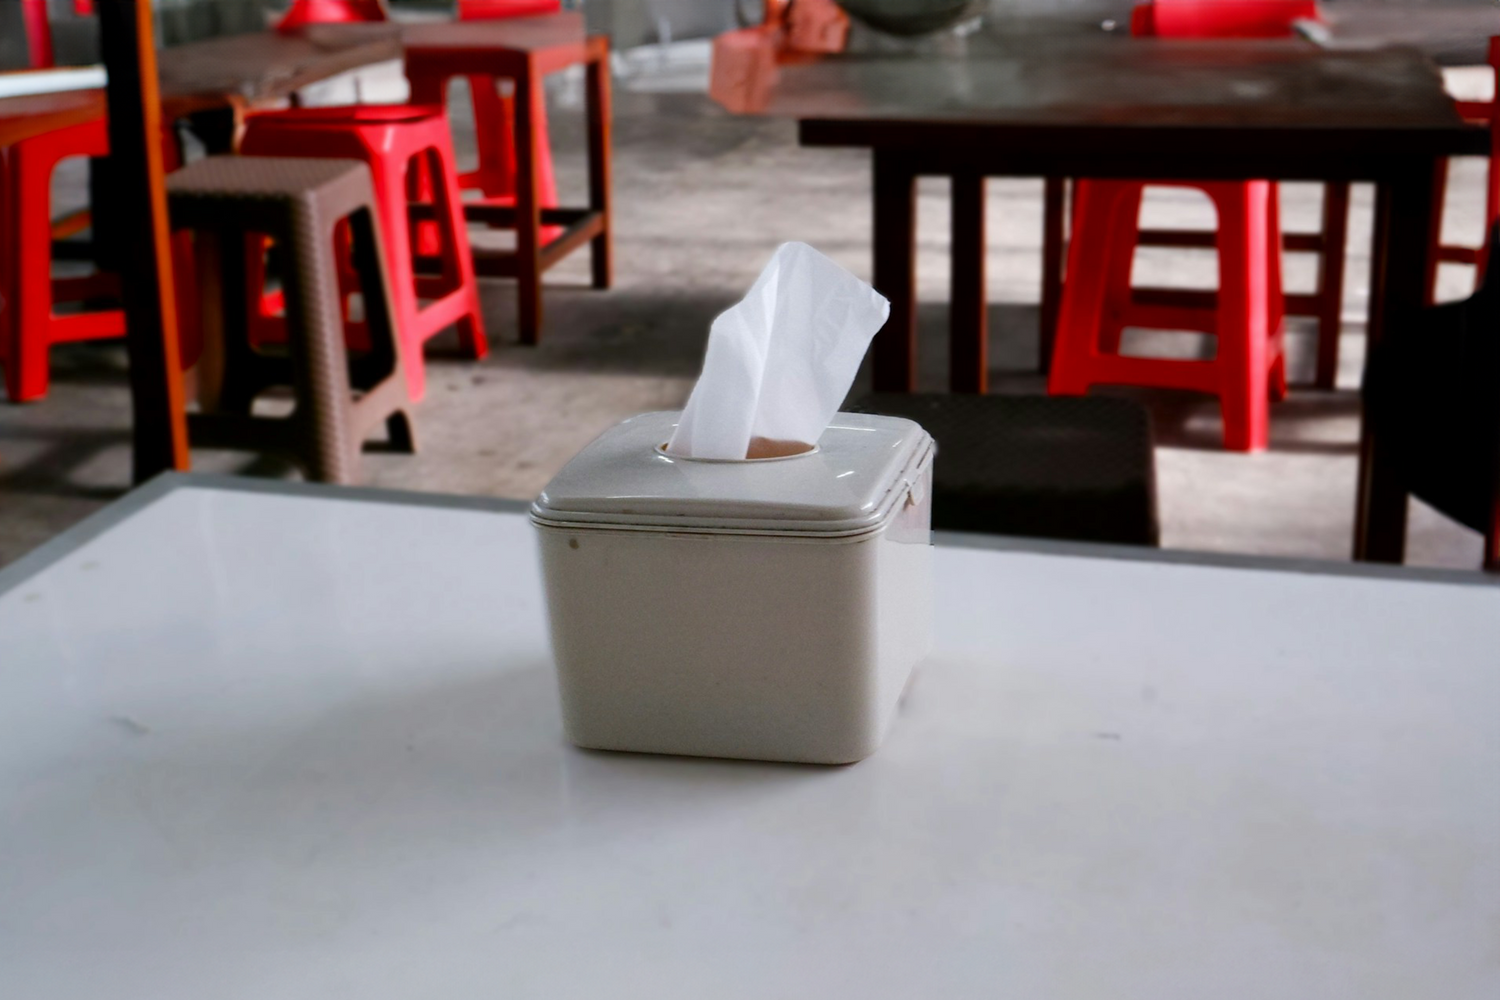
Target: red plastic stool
[
  {"x": 29, "y": 322},
  {"x": 407, "y": 148},
  {"x": 495, "y": 120},
  {"x": 305, "y": 12},
  {"x": 1230, "y": 19},
  {"x": 1221, "y": 18},
  {"x": 1247, "y": 319}
]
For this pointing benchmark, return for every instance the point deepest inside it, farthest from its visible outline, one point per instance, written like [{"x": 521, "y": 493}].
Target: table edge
[
  {"x": 61, "y": 546},
  {"x": 1303, "y": 566}
]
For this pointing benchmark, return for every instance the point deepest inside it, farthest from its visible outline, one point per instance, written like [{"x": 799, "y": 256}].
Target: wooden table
[
  {"x": 218, "y": 79},
  {"x": 234, "y": 72},
  {"x": 1076, "y": 107},
  {"x": 1449, "y": 35},
  {"x": 262, "y": 740}
]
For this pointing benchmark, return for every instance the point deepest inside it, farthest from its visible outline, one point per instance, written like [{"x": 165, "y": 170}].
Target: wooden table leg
[
  {"x": 1054, "y": 251},
  {"x": 1331, "y": 280},
  {"x": 160, "y": 420},
  {"x": 895, "y": 232},
  {"x": 968, "y": 327},
  {"x": 528, "y": 103},
  {"x": 601, "y": 255},
  {"x": 1398, "y": 278}
]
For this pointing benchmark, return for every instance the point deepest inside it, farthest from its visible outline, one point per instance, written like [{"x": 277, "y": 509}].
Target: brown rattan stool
[{"x": 339, "y": 399}]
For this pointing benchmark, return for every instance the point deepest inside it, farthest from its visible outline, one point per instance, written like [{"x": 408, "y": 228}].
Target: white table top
[{"x": 260, "y": 742}]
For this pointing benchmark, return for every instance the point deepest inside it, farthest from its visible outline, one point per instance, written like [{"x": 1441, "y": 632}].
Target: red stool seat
[
  {"x": 410, "y": 155},
  {"x": 367, "y": 114},
  {"x": 305, "y": 12}
]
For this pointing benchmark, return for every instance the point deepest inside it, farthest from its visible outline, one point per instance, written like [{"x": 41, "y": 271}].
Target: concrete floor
[{"x": 703, "y": 199}]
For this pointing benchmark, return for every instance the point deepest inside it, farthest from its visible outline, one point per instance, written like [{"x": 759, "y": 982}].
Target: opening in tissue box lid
[{"x": 862, "y": 467}]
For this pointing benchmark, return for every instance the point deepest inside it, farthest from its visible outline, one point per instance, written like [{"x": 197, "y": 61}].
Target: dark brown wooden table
[
  {"x": 1093, "y": 107},
  {"x": 1450, "y": 35}
]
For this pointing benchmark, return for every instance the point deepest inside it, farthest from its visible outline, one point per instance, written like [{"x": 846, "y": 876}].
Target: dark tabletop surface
[
  {"x": 266, "y": 65},
  {"x": 530, "y": 34},
  {"x": 1146, "y": 82},
  {"x": 1451, "y": 34}
]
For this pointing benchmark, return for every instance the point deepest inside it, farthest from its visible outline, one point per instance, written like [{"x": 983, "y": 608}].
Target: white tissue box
[{"x": 769, "y": 609}]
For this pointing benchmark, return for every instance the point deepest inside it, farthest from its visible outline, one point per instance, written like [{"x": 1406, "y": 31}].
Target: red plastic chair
[
  {"x": 495, "y": 120},
  {"x": 407, "y": 148},
  {"x": 1246, "y": 315},
  {"x": 30, "y": 323},
  {"x": 305, "y": 12},
  {"x": 1480, "y": 113}
]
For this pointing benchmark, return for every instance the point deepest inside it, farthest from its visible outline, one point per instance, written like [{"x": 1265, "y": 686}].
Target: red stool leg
[
  {"x": 1276, "y": 296},
  {"x": 29, "y": 216},
  {"x": 456, "y": 260},
  {"x": 494, "y": 119},
  {"x": 546, "y": 178},
  {"x": 1096, "y": 210},
  {"x": 1124, "y": 235},
  {"x": 1243, "y": 312},
  {"x": 8, "y": 325},
  {"x": 419, "y": 191},
  {"x": 389, "y": 174}
]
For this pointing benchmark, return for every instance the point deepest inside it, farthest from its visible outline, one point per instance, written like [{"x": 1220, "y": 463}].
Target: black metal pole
[{"x": 143, "y": 250}]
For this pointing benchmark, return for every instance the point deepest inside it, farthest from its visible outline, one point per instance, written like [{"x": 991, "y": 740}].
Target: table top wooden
[
  {"x": 1223, "y": 83},
  {"x": 267, "y": 66},
  {"x": 1142, "y": 101},
  {"x": 35, "y": 114},
  {"x": 523, "y": 34},
  {"x": 268, "y": 740},
  {"x": 1451, "y": 34}
]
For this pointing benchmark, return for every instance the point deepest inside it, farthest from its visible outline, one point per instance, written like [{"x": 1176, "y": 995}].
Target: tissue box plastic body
[{"x": 768, "y": 609}]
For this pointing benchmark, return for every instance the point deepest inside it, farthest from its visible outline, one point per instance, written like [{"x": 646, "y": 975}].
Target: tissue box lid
[{"x": 863, "y": 467}]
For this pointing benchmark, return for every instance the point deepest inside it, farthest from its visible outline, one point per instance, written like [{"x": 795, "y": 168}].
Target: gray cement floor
[{"x": 702, "y": 200}]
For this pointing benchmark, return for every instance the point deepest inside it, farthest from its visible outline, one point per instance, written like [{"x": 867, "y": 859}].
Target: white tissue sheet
[{"x": 781, "y": 361}]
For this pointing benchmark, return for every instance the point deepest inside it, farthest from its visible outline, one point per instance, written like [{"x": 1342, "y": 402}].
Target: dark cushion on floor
[{"x": 1078, "y": 468}]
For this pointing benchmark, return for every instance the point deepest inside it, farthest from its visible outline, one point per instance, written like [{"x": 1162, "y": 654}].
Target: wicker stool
[
  {"x": 338, "y": 400},
  {"x": 410, "y": 155},
  {"x": 1078, "y": 468}
]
